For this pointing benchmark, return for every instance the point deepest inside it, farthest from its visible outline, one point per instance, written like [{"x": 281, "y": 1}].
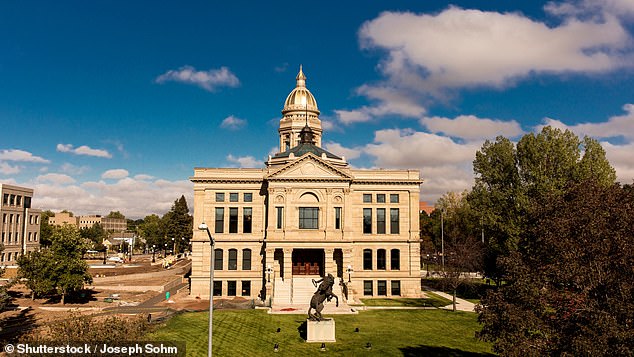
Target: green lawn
[
  {"x": 391, "y": 332},
  {"x": 432, "y": 300}
]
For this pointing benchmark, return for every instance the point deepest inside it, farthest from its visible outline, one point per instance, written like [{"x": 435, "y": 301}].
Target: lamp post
[
  {"x": 269, "y": 271},
  {"x": 174, "y": 248},
  {"x": 349, "y": 271},
  {"x": 442, "y": 238},
  {"x": 203, "y": 227},
  {"x": 165, "y": 251},
  {"x": 153, "y": 251}
]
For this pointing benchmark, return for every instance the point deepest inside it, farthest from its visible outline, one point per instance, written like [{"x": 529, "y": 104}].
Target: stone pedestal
[{"x": 320, "y": 331}]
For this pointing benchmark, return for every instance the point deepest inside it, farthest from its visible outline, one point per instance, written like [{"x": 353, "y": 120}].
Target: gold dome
[{"x": 300, "y": 98}]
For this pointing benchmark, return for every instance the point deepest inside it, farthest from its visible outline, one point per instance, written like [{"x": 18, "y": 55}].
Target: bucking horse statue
[{"x": 324, "y": 292}]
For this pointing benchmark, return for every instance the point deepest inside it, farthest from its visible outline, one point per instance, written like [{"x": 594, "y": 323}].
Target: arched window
[
  {"x": 246, "y": 259},
  {"x": 380, "y": 259},
  {"x": 218, "y": 259},
  {"x": 367, "y": 259},
  {"x": 233, "y": 259},
  {"x": 395, "y": 259}
]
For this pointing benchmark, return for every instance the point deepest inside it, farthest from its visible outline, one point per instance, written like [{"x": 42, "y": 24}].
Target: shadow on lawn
[
  {"x": 432, "y": 351},
  {"x": 13, "y": 327}
]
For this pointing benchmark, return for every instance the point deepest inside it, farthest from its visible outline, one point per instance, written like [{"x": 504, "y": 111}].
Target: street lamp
[
  {"x": 203, "y": 227},
  {"x": 153, "y": 251},
  {"x": 174, "y": 249},
  {"x": 165, "y": 251},
  {"x": 349, "y": 271},
  {"x": 442, "y": 238},
  {"x": 269, "y": 271}
]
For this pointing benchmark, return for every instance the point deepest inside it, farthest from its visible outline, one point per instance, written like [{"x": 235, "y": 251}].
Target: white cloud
[
  {"x": 470, "y": 127},
  {"x": 83, "y": 150},
  {"x": 7, "y": 169},
  {"x": 339, "y": 150},
  {"x": 143, "y": 177},
  {"x": 59, "y": 179},
  {"x": 134, "y": 198},
  {"x": 74, "y": 170},
  {"x": 245, "y": 161},
  {"x": 115, "y": 174},
  {"x": 619, "y": 8},
  {"x": 459, "y": 48},
  {"x": 621, "y": 158},
  {"x": 616, "y": 126},
  {"x": 387, "y": 101},
  {"x": 209, "y": 80},
  {"x": 20, "y": 156},
  {"x": 233, "y": 123}
]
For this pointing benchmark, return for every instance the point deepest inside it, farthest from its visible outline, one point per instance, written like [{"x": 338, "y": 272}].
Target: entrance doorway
[{"x": 308, "y": 262}]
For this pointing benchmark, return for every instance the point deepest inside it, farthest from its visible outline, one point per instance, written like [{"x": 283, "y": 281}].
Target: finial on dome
[{"x": 301, "y": 78}]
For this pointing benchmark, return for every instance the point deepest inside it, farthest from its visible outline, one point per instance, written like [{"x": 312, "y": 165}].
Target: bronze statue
[{"x": 324, "y": 292}]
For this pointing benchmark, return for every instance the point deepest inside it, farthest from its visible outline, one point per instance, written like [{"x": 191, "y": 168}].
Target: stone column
[
  {"x": 288, "y": 263},
  {"x": 348, "y": 260},
  {"x": 269, "y": 284},
  {"x": 330, "y": 262}
]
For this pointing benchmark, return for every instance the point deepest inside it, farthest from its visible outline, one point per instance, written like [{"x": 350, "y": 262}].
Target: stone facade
[
  {"x": 20, "y": 224},
  {"x": 306, "y": 214}
]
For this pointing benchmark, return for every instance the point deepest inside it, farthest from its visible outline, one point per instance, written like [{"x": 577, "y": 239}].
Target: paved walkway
[{"x": 461, "y": 304}]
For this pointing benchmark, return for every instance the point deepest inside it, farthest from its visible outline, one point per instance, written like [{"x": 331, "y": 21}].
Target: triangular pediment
[{"x": 309, "y": 167}]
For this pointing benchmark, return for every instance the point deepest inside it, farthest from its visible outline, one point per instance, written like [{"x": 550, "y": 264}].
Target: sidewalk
[{"x": 461, "y": 304}]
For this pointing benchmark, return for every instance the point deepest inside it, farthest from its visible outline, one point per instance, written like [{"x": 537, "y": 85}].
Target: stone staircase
[
  {"x": 293, "y": 296},
  {"x": 282, "y": 293}
]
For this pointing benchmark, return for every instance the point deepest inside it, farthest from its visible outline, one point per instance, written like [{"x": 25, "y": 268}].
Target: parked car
[{"x": 115, "y": 259}]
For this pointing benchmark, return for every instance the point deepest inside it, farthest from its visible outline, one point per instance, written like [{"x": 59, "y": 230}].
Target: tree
[
  {"x": 570, "y": 283},
  {"x": 46, "y": 231},
  {"x": 151, "y": 230},
  {"x": 178, "y": 224},
  {"x": 510, "y": 181},
  {"x": 95, "y": 235},
  {"x": 115, "y": 214},
  {"x": 4, "y": 296},
  {"x": 59, "y": 267}
]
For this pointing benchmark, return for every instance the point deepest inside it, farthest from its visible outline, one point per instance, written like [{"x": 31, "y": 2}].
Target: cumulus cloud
[
  {"x": 115, "y": 174},
  {"x": 470, "y": 127},
  {"x": 83, "y": 150},
  {"x": 7, "y": 169},
  {"x": 20, "y": 156},
  {"x": 59, "y": 179},
  {"x": 245, "y": 161},
  {"x": 74, "y": 170},
  {"x": 143, "y": 177},
  {"x": 616, "y": 126},
  {"x": 209, "y": 80},
  {"x": 233, "y": 123},
  {"x": 386, "y": 101},
  {"x": 576, "y": 8},
  {"x": 134, "y": 198},
  {"x": 339, "y": 150},
  {"x": 620, "y": 156}
]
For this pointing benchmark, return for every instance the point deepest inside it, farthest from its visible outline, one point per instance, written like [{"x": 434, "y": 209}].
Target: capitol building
[{"x": 306, "y": 214}]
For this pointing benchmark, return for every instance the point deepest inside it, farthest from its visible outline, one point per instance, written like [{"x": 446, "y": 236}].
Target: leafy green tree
[
  {"x": 46, "y": 231},
  {"x": 4, "y": 296},
  {"x": 152, "y": 231},
  {"x": 570, "y": 283},
  {"x": 115, "y": 214},
  {"x": 59, "y": 267},
  {"x": 178, "y": 224},
  {"x": 510, "y": 181},
  {"x": 95, "y": 235}
]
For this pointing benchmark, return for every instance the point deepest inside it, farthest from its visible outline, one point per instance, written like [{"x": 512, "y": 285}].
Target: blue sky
[{"x": 110, "y": 105}]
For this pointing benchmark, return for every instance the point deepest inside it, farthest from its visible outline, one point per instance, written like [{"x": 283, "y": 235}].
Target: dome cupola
[{"x": 300, "y": 98}]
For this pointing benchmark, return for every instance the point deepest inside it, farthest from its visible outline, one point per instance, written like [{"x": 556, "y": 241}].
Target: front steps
[{"x": 293, "y": 297}]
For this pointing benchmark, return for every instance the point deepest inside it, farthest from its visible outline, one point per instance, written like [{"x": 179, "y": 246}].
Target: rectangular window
[
  {"x": 3, "y": 237},
  {"x": 233, "y": 197},
  {"x": 380, "y": 259},
  {"x": 217, "y": 288},
  {"x": 367, "y": 220},
  {"x": 367, "y": 288},
  {"x": 231, "y": 288},
  {"x": 381, "y": 287},
  {"x": 233, "y": 259},
  {"x": 395, "y": 259},
  {"x": 280, "y": 217},
  {"x": 367, "y": 198},
  {"x": 246, "y": 259},
  {"x": 4, "y": 218},
  {"x": 367, "y": 259},
  {"x": 247, "y": 215},
  {"x": 308, "y": 217},
  {"x": 380, "y": 198},
  {"x": 12, "y": 200},
  {"x": 233, "y": 220},
  {"x": 220, "y": 197},
  {"x": 246, "y": 288},
  {"x": 380, "y": 220},
  {"x": 220, "y": 220},
  {"x": 337, "y": 217},
  {"x": 218, "y": 259},
  {"x": 19, "y": 201},
  {"x": 396, "y": 288},
  {"x": 394, "y": 198},
  {"x": 248, "y": 197},
  {"x": 5, "y": 199},
  {"x": 394, "y": 228}
]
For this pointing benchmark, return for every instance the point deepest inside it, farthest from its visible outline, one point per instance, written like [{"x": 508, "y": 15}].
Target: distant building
[
  {"x": 425, "y": 207},
  {"x": 305, "y": 214},
  {"x": 20, "y": 224},
  {"x": 108, "y": 224}
]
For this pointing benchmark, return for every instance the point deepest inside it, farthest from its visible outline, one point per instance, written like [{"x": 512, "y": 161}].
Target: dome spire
[{"x": 301, "y": 78}]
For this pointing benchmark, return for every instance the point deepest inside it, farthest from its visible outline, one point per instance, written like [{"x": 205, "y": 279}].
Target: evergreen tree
[
  {"x": 46, "y": 231},
  {"x": 178, "y": 224}
]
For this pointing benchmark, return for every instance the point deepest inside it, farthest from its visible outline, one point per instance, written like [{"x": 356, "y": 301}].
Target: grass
[
  {"x": 432, "y": 300},
  {"x": 391, "y": 332}
]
